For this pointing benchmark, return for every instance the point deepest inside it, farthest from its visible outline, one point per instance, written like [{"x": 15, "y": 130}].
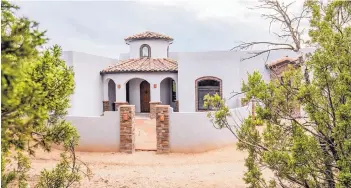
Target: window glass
[
  {"x": 207, "y": 87},
  {"x": 145, "y": 50}
]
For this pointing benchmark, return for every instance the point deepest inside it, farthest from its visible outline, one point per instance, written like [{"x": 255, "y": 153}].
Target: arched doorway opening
[
  {"x": 111, "y": 95},
  {"x": 138, "y": 94},
  {"x": 168, "y": 92}
]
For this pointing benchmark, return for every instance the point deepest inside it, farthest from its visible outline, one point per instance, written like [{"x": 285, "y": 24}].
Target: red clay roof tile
[
  {"x": 144, "y": 65},
  {"x": 282, "y": 60},
  {"x": 148, "y": 35}
]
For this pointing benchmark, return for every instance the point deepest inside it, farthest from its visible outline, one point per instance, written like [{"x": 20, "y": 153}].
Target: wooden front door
[{"x": 144, "y": 96}]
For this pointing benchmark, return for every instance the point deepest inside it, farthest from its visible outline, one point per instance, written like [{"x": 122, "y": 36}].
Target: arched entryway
[
  {"x": 168, "y": 92},
  {"x": 138, "y": 94},
  {"x": 145, "y": 96},
  {"x": 111, "y": 94}
]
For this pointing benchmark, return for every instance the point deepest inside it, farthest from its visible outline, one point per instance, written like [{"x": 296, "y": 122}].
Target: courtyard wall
[
  {"x": 189, "y": 132},
  {"x": 192, "y": 132},
  {"x": 98, "y": 133}
]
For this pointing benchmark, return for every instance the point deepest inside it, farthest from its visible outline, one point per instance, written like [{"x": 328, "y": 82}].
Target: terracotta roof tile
[
  {"x": 143, "y": 65},
  {"x": 148, "y": 35},
  {"x": 283, "y": 60}
]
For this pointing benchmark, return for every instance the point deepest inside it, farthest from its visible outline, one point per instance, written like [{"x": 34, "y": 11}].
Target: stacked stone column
[
  {"x": 162, "y": 128},
  {"x": 105, "y": 106},
  {"x": 127, "y": 129},
  {"x": 153, "y": 105},
  {"x": 117, "y": 104}
]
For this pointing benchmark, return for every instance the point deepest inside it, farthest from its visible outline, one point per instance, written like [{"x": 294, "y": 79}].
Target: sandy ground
[{"x": 218, "y": 168}]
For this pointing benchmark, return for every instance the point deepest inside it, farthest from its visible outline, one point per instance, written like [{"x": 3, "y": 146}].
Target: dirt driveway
[{"x": 219, "y": 168}]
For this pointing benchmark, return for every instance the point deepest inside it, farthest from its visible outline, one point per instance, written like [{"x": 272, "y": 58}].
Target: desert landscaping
[{"x": 218, "y": 168}]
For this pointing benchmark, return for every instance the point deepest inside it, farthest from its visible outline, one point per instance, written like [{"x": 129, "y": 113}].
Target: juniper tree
[
  {"x": 312, "y": 149},
  {"x": 35, "y": 89}
]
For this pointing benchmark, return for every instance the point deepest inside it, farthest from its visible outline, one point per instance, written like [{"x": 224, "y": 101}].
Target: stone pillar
[
  {"x": 127, "y": 129},
  {"x": 162, "y": 128},
  {"x": 152, "y": 114},
  {"x": 117, "y": 104},
  {"x": 176, "y": 106},
  {"x": 105, "y": 105}
]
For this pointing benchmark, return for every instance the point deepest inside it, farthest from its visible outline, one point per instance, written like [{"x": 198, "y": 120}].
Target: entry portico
[{"x": 145, "y": 80}]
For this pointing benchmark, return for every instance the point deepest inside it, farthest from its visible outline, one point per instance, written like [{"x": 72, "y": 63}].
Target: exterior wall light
[
  {"x": 125, "y": 116},
  {"x": 119, "y": 86},
  {"x": 155, "y": 85},
  {"x": 162, "y": 118}
]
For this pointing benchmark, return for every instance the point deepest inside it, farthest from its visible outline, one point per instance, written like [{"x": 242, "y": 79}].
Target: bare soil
[{"x": 219, "y": 168}]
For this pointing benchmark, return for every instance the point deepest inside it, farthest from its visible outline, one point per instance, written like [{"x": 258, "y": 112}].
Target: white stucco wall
[
  {"x": 225, "y": 65},
  {"x": 97, "y": 133},
  {"x": 158, "y": 48},
  {"x": 152, "y": 78},
  {"x": 123, "y": 56},
  {"x": 192, "y": 132},
  {"x": 88, "y": 94},
  {"x": 91, "y": 88}
]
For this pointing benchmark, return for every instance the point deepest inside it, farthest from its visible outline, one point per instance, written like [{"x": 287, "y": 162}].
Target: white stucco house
[
  {"x": 151, "y": 78},
  {"x": 151, "y": 74}
]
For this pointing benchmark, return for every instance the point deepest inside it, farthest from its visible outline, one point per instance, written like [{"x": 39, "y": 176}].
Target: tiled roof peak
[{"x": 148, "y": 35}]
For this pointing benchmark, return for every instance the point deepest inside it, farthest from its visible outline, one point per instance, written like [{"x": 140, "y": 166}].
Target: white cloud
[
  {"x": 99, "y": 27},
  {"x": 227, "y": 10}
]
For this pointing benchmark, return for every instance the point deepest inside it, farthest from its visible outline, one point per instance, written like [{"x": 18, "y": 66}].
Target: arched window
[
  {"x": 145, "y": 51},
  {"x": 206, "y": 85}
]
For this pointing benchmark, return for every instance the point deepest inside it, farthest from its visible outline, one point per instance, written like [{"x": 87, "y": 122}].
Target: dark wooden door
[{"x": 144, "y": 96}]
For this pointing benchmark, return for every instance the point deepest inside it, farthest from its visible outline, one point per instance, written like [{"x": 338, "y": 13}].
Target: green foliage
[
  {"x": 66, "y": 173},
  {"x": 59, "y": 177},
  {"x": 221, "y": 111},
  {"x": 312, "y": 149},
  {"x": 35, "y": 87}
]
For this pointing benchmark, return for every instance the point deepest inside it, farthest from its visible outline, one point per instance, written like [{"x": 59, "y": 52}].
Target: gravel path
[{"x": 219, "y": 168}]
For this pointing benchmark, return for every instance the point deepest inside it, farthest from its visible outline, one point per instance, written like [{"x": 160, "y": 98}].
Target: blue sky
[{"x": 99, "y": 27}]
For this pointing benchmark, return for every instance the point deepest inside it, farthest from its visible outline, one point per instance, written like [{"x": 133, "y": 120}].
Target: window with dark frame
[
  {"x": 145, "y": 51},
  {"x": 206, "y": 87}
]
